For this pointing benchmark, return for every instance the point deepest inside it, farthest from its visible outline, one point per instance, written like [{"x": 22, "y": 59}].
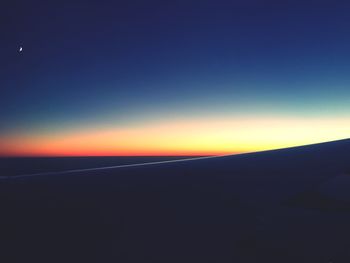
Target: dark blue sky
[{"x": 99, "y": 62}]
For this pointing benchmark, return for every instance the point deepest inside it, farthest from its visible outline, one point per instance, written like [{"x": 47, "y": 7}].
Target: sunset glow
[
  {"x": 179, "y": 137},
  {"x": 186, "y": 78}
]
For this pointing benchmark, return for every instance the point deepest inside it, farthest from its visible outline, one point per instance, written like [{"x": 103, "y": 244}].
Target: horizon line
[{"x": 159, "y": 162}]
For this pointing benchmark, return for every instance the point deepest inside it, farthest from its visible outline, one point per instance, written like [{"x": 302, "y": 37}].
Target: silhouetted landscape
[{"x": 288, "y": 205}]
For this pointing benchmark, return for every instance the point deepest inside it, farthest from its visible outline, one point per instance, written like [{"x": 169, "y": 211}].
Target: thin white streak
[
  {"x": 106, "y": 167},
  {"x": 161, "y": 162}
]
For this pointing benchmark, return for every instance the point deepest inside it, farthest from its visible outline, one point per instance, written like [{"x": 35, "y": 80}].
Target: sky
[{"x": 172, "y": 77}]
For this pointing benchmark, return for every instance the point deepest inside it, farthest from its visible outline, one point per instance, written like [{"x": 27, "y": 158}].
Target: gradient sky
[{"x": 172, "y": 77}]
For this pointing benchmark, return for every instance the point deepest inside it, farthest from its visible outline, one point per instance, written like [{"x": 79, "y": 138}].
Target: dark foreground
[
  {"x": 290, "y": 205},
  {"x": 33, "y": 165}
]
